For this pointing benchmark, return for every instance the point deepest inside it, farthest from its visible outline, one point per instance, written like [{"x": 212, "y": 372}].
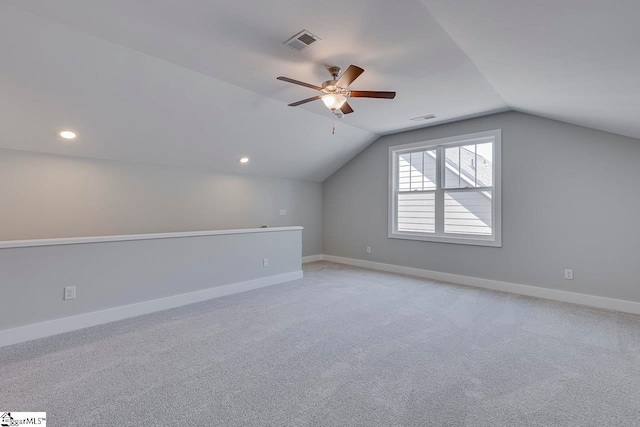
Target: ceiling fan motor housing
[{"x": 330, "y": 87}]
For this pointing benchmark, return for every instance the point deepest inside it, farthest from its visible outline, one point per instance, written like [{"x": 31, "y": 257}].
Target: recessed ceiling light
[
  {"x": 67, "y": 134},
  {"x": 243, "y": 160}
]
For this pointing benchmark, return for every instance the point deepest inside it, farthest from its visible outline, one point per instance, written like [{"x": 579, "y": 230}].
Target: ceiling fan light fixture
[
  {"x": 334, "y": 101},
  {"x": 334, "y": 92}
]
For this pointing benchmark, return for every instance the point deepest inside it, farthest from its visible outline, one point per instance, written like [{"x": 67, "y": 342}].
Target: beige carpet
[{"x": 341, "y": 347}]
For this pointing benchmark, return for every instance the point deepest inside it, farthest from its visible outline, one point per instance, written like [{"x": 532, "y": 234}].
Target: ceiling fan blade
[
  {"x": 371, "y": 94},
  {"x": 297, "y": 82},
  {"x": 304, "y": 101},
  {"x": 349, "y": 76},
  {"x": 346, "y": 108}
]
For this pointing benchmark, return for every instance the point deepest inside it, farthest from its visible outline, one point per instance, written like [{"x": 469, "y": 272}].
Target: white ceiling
[
  {"x": 134, "y": 107},
  {"x": 571, "y": 60},
  {"x": 191, "y": 83}
]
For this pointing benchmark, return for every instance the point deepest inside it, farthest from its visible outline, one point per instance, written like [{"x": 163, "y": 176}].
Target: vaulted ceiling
[{"x": 191, "y": 83}]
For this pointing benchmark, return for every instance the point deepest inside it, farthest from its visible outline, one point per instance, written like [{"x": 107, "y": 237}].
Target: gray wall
[
  {"x": 569, "y": 200},
  {"x": 112, "y": 274},
  {"x": 46, "y": 196}
]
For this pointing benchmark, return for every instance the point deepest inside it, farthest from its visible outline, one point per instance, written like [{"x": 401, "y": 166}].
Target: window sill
[{"x": 474, "y": 241}]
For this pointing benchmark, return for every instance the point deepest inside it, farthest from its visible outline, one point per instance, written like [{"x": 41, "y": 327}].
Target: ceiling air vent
[
  {"x": 301, "y": 40},
  {"x": 421, "y": 118}
]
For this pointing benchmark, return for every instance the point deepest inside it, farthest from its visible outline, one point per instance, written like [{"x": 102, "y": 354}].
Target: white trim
[
  {"x": 80, "y": 321},
  {"x": 467, "y": 240},
  {"x": 127, "y": 237},
  {"x": 495, "y": 240},
  {"x": 311, "y": 258},
  {"x": 532, "y": 291}
]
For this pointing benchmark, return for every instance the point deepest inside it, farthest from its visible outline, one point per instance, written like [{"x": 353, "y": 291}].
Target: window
[{"x": 447, "y": 190}]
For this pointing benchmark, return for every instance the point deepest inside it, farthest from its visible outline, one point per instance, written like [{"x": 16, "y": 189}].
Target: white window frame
[{"x": 439, "y": 235}]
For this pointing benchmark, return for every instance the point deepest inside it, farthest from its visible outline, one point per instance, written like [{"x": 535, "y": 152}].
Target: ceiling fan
[{"x": 336, "y": 91}]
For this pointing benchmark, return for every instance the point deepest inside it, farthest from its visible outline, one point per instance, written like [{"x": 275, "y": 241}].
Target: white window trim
[{"x": 496, "y": 239}]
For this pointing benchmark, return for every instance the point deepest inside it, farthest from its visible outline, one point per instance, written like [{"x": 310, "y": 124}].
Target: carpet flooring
[{"x": 342, "y": 347}]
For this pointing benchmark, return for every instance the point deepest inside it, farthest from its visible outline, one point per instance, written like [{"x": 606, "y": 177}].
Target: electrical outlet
[
  {"x": 368, "y": 249},
  {"x": 283, "y": 212},
  {"x": 69, "y": 292},
  {"x": 265, "y": 262},
  {"x": 568, "y": 274}
]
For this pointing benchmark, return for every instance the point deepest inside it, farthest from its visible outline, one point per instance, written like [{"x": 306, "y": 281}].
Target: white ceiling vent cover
[
  {"x": 427, "y": 117},
  {"x": 301, "y": 40}
]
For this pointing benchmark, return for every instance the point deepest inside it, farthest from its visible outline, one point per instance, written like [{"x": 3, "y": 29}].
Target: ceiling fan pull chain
[{"x": 333, "y": 131}]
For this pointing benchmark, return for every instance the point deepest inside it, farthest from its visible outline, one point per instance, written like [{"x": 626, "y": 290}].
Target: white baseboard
[
  {"x": 532, "y": 291},
  {"x": 67, "y": 324},
  {"x": 80, "y": 321},
  {"x": 311, "y": 258}
]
